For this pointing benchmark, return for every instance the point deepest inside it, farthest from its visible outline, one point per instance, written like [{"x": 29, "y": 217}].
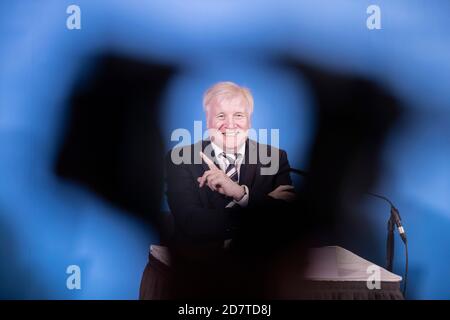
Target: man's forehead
[{"x": 235, "y": 105}]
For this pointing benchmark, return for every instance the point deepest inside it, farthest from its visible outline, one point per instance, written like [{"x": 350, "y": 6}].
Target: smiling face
[{"x": 228, "y": 121}]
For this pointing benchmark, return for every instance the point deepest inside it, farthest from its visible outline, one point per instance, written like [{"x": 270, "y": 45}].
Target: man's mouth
[{"x": 230, "y": 133}]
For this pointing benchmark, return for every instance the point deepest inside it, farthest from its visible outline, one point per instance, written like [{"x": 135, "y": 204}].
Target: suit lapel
[
  {"x": 217, "y": 199},
  {"x": 209, "y": 152},
  {"x": 250, "y": 164}
]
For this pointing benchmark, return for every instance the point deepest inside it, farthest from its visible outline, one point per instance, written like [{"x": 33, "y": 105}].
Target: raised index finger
[{"x": 208, "y": 161}]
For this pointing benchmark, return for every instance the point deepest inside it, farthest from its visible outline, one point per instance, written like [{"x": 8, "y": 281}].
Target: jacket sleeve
[
  {"x": 191, "y": 217},
  {"x": 283, "y": 177},
  {"x": 259, "y": 194}
]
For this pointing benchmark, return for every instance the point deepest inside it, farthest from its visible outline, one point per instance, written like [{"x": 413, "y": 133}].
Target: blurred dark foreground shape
[
  {"x": 114, "y": 147},
  {"x": 267, "y": 257}
]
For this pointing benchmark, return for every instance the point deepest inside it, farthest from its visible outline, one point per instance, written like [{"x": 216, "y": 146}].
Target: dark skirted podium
[{"x": 333, "y": 273}]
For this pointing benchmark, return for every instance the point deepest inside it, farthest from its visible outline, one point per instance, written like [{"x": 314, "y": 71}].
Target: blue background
[{"x": 49, "y": 224}]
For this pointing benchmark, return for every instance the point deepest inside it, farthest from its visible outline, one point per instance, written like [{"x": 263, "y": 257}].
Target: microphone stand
[{"x": 390, "y": 244}]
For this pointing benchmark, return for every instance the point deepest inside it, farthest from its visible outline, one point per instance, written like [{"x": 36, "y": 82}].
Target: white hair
[{"x": 227, "y": 91}]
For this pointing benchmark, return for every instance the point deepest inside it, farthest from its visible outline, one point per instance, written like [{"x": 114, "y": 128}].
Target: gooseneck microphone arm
[{"x": 395, "y": 216}]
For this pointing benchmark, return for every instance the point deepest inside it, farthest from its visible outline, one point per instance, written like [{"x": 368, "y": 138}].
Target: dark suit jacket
[{"x": 199, "y": 214}]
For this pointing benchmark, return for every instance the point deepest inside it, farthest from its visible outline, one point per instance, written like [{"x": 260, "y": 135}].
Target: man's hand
[
  {"x": 283, "y": 192},
  {"x": 217, "y": 180}
]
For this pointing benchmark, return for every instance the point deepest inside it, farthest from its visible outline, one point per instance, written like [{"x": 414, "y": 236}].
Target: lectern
[{"x": 333, "y": 273}]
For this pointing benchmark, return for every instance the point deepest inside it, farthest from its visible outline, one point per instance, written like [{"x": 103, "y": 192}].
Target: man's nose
[{"x": 229, "y": 122}]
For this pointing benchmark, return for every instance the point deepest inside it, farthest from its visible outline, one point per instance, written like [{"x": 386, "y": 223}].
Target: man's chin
[
  {"x": 233, "y": 145},
  {"x": 229, "y": 144}
]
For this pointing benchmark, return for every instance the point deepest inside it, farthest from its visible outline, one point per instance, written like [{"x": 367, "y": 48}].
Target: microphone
[
  {"x": 398, "y": 222},
  {"x": 395, "y": 215}
]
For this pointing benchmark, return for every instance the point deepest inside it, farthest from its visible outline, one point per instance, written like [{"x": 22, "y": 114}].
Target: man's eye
[
  {"x": 239, "y": 116},
  {"x": 220, "y": 116}
]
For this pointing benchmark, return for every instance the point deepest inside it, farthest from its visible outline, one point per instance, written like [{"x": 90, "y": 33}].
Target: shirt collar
[{"x": 218, "y": 150}]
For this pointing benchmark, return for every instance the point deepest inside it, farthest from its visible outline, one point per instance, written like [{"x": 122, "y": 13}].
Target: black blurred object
[
  {"x": 354, "y": 117},
  {"x": 113, "y": 144}
]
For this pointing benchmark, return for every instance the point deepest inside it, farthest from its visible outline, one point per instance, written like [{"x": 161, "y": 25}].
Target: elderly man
[
  {"x": 228, "y": 187},
  {"x": 220, "y": 177}
]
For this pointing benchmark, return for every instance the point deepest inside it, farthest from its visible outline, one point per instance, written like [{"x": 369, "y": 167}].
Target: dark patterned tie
[{"x": 231, "y": 169}]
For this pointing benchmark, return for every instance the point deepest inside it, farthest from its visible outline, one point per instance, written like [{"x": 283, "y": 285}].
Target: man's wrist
[{"x": 240, "y": 193}]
